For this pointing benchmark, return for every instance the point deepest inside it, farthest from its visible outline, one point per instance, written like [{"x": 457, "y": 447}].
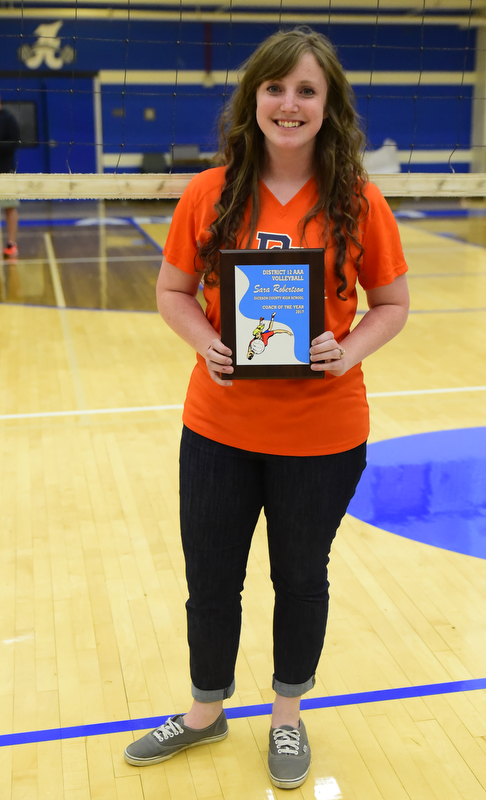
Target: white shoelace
[
  {"x": 168, "y": 730},
  {"x": 287, "y": 742}
]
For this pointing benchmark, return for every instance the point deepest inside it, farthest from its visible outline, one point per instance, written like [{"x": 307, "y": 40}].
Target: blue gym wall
[{"x": 427, "y": 117}]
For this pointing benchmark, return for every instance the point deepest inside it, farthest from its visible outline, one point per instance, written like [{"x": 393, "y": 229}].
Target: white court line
[
  {"x": 54, "y": 269},
  {"x": 135, "y": 409},
  {"x": 64, "y": 321},
  {"x": 428, "y": 391},
  {"x": 29, "y": 262},
  {"x": 86, "y": 412}
]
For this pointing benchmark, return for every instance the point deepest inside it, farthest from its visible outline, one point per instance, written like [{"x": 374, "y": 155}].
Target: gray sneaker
[
  {"x": 289, "y": 756},
  {"x": 171, "y": 738}
]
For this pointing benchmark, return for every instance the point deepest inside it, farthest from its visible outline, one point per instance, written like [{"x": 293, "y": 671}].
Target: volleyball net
[{"x": 122, "y": 102}]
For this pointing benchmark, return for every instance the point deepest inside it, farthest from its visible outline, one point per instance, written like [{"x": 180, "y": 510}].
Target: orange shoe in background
[{"x": 11, "y": 250}]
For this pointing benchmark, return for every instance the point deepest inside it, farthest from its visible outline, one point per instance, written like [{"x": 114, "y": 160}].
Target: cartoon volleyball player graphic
[{"x": 261, "y": 337}]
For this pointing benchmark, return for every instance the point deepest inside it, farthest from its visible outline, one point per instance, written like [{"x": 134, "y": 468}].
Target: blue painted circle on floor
[{"x": 430, "y": 487}]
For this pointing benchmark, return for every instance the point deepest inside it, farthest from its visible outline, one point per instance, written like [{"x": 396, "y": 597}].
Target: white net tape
[
  {"x": 131, "y": 186},
  {"x": 426, "y": 83}
]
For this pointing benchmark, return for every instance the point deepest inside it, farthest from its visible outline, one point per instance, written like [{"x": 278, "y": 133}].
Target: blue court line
[
  {"x": 32, "y": 223},
  {"x": 49, "y": 222},
  {"x": 406, "y": 214},
  {"x": 359, "y": 698},
  {"x": 76, "y": 222},
  {"x": 79, "y": 222},
  {"x": 418, "y": 214},
  {"x": 146, "y": 235}
]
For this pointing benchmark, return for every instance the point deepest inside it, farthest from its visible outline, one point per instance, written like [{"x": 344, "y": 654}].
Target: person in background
[
  {"x": 292, "y": 173},
  {"x": 9, "y": 142}
]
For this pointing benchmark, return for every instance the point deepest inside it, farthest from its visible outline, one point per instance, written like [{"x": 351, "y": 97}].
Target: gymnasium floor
[{"x": 92, "y": 589}]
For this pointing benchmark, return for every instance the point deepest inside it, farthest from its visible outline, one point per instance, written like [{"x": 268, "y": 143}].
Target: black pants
[{"x": 223, "y": 490}]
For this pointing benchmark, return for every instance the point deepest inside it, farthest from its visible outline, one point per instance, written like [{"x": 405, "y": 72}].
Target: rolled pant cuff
[
  {"x": 214, "y": 695},
  {"x": 292, "y": 689}
]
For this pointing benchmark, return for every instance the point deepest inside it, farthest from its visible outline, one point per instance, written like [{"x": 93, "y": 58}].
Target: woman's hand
[
  {"x": 218, "y": 360},
  {"x": 327, "y": 355}
]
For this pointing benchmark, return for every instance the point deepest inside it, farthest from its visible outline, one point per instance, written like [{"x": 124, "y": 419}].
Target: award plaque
[{"x": 272, "y": 306}]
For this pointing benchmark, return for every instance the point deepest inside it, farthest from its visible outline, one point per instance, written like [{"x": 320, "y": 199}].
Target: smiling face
[{"x": 290, "y": 110}]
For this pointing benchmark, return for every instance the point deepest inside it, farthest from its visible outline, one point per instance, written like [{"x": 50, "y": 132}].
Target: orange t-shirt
[{"x": 285, "y": 417}]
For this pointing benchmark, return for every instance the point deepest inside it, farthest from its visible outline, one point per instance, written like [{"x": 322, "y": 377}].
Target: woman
[{"x": 292, "y": 177}]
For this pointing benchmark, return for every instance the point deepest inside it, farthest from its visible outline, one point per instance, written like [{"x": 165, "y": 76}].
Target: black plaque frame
[{"x": 313, "y": 260}]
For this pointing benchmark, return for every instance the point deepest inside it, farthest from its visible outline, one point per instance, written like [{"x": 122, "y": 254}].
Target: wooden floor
[{"x": 92, "y": 584}]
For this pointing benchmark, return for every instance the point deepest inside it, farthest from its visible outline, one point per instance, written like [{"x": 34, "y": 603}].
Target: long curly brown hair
[{"x": 338, "y": 167}]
